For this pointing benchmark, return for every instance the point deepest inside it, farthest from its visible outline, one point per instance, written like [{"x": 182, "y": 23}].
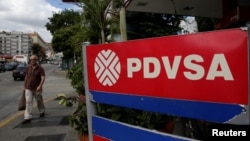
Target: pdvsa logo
[{"x": 107, "y": 67}]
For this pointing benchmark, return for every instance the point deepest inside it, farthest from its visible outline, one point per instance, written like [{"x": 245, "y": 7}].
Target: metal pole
[
  {"x": 19, "y": 44},
  {"x": 248, "y": 107},
  {"x": 91, "y": 106}
]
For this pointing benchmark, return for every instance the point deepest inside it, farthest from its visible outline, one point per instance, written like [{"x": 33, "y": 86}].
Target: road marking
[{"x": 11, "y": 118}]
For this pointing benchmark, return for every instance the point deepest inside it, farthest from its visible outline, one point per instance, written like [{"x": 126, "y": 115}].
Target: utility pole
[{"x": 19, "y": 45}]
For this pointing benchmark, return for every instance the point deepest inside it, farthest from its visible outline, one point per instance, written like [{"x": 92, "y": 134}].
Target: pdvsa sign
[
  {"x": 208, "y": 67},
  {"x": 107, "y": 67},
  {"x": 194, "y": 70}
]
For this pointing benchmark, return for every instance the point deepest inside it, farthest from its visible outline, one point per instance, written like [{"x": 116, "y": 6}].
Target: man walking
[{"x": 33, "y": 83}]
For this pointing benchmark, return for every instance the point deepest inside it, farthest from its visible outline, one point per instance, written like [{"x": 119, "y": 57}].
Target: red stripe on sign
[
  {"x": 208, "y": 66},
  {"x": 99, "y": 138}
]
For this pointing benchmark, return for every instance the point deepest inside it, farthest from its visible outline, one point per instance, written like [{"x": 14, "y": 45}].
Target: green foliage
[
  {"x": 63, "y": 26},
  {"x": 61, "y": 42},
  {"x": 78, "y": 119},
  {"x": 140, "y": 118},
  {"x": 205, "y": 24},
  {"x": 146, "y": 25},
  {"x": 94, "y": 16},
  {"x": 76, "y": 75},
  {"x": 36, "y": 49},
  {"x": 62, "y": 20}
]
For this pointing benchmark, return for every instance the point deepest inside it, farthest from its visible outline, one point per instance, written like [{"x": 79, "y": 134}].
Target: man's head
[{"x": 33, "y": 59}]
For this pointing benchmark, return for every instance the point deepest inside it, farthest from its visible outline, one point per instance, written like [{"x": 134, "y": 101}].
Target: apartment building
[
  {"x": 15, "y": 43},
  {"x": 19, "y": 43},
  {"x": 38, "y": 40}
]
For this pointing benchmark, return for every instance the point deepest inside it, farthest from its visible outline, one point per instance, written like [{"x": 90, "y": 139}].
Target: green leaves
[
  {"x": 78, "y": 119},
  {"x": 144, "y": 119},
  {"x": 62, "y": 27},
  {"x": 62, "y": 102},
  {"x": 65, "y": 101},
  {"x": 76, "y": 75}
]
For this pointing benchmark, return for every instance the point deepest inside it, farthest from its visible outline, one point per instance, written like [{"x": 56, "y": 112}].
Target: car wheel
[{"x": 15, "y": 78}]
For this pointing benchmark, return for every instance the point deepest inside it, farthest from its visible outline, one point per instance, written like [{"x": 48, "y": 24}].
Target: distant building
[
  {"x": 15, "y": 43},
  {"x": 38, "y": 40},
  {"x": 19, "y": 43},
  {"x": 50, "y": 54}
]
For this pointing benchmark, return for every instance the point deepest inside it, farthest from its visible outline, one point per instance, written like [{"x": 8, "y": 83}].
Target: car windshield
[{"x": 20, "y": 68}]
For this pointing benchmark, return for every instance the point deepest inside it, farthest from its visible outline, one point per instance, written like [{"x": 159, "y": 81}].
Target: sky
[
  {"x": 189, "y": 25},
  {"x": 30, "y": 16}
]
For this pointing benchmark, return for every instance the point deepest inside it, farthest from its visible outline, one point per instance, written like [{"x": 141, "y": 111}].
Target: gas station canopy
[
  {"x": 204, "y": 8},
  {"x": 228, "y": 11}
]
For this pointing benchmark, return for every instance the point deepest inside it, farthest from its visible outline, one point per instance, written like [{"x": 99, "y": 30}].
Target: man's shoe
[
  {"x": 42, "y": 114},
  {"x": 26, "y": 121}
]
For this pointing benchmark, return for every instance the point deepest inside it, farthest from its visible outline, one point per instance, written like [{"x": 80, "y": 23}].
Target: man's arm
[
  {"x": 42, "y": 74},
  {"x": 40, "y": 86},
  {"x": 25, "y": 78}
]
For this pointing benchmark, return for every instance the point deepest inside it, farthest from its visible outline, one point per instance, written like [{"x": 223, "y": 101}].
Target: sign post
[{"x": 91, "y": 107}]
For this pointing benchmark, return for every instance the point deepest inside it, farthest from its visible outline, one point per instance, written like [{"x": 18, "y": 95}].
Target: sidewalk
[{"x": 53, "y": 127}]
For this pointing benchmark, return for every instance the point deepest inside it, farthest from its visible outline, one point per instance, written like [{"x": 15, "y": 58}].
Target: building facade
[
  {"x": 18, "y": 43},
  {"x": 15, "y": 43},
  {"x": 39, "y": 42}
]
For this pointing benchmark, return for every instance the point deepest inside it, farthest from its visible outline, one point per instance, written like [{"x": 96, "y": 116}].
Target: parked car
[
  {"x": 2, "y": 66},
  {"x": 19, "y": 72},
  {"x": 9, "y": 66}
]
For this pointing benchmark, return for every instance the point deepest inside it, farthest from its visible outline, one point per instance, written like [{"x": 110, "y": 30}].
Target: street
[{"x": 10, "y": 90}]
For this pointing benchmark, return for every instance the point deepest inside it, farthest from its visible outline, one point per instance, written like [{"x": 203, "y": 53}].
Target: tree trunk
[
  {"x": 123, "y": 24},
  {"x": 102, "y": 36}
]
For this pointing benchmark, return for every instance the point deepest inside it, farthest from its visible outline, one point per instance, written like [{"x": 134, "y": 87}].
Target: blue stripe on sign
[
  {"x": 213, "y": 112},
  {"x": 117, "y": 131}
]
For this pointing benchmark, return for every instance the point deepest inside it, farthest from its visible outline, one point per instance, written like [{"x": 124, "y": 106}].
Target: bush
[{"x": 75, "y": 74}]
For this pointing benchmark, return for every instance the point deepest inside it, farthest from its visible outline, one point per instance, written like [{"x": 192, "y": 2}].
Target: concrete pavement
[{"x": 53, "y": 127}]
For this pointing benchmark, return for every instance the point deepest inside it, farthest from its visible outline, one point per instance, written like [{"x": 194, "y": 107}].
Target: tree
[
  {"x": 61, "y": 26},
  {"x": 62, "y": 20},
  {"x": 38, "y": 50},
  {"x": 94, "y": 15},
  {"x": 61, "y": 42},
  {"x": 205, "y": 24},
  {"x": 147, "y": 25}
]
